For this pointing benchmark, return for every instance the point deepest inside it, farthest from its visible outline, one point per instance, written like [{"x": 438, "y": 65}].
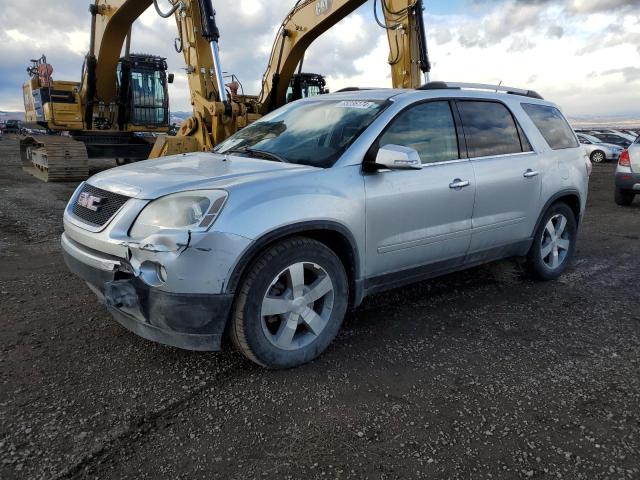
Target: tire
[
  {"x": 298, "y": 327},
  {"x": 598, "y": 156},
  {"x": 549, "y": 255},
  {"x": 624, "y": 198}
]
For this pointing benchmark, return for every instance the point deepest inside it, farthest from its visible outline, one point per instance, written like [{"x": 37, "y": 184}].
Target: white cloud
[{"x": 579, "y": 53}]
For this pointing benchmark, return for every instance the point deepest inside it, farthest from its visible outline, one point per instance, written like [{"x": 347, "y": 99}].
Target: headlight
[{"x": 195, "y": 210}]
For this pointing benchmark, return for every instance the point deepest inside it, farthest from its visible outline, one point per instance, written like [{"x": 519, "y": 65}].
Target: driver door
[{"x": 419, "y": 221}]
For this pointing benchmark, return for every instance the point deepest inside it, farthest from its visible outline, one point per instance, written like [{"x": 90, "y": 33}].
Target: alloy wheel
[
  {"x": 556, "y": 242},
  {"x": 297, "y": 306}
]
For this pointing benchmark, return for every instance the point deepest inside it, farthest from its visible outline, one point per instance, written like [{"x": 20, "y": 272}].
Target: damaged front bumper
[{"x": 192, "y": 321}]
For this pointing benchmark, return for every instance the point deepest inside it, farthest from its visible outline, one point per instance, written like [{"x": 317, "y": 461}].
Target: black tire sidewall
[
  {"x": 536, "y": 265},
  {"x": 623, "y": 197},
  {"x": 261, "y": 348}
]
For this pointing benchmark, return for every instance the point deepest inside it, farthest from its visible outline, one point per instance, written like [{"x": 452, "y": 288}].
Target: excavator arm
[
  {"x": 216, "y": 115},
  {"x": 309, "y": 19}
]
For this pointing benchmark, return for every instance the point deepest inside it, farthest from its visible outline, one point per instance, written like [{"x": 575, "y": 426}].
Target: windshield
[{"x": 307, "y": 133}]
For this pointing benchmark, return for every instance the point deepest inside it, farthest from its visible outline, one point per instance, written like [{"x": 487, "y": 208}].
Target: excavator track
[{"x": 55, "y": 159}]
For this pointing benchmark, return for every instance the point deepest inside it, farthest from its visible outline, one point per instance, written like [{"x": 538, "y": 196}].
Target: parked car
[
  {"x": 299, "y": 216},
  {"x": 628, "y": 175},
  {"x": 14, "y": 127},
  {"x": 598, "y": 151},
  {"x": 629, "y": 136},
  {"x": 613, "y": 138}
]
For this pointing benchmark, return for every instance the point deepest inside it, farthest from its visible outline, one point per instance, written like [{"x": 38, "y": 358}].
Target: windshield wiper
[{"x": 259, "y": 154}]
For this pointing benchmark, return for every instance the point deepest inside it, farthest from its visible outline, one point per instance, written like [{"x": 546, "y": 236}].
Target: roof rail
[
  {"x": 480, "y": 86},
  {"x": 356, "y": 89}
]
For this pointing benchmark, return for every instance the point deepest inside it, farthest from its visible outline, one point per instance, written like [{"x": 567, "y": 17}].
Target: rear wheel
[
  {"x": 624, "y": 198},
  {"x": 553, "y": 244},
  {"x": 598, "y": 156},
  {"x": 290, "y": 305}
]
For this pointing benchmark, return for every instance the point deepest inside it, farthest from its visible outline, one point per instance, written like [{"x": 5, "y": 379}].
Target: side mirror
[
  {"x": 170, "y": 78},
  {"x": 397, "y": 157}
]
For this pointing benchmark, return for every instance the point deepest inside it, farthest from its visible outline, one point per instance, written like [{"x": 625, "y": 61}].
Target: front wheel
[
  {"x": 554, "y": 243},
  {"x": 624, "y": 198},
  {"x": 290, "y": 305}
]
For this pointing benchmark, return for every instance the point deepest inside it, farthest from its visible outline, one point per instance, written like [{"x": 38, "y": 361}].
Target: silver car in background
[
  {"x": 599, "y": 151},
  {"x": 296, "y": 218},
  {"x": 628, "y": 175}
]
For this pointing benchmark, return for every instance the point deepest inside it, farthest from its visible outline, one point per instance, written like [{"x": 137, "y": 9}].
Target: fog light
[
  {"x": 162, "y": 271},
  {"x": 153, "y": 274}
]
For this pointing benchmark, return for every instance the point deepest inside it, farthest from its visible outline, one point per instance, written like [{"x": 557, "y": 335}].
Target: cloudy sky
[{"x": 582, "y": 54}]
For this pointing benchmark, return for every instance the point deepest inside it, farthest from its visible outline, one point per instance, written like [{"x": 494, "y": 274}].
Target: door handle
[
  {"x": 531, "y": 173},
  {"x": 457, "y": 184}
]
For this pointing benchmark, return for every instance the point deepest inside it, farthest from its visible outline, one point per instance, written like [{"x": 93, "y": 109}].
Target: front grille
[{"x": 108, "y": 206}]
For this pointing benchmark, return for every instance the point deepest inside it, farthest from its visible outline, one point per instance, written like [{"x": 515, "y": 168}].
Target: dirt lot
[{"x": 481, "y": 374}]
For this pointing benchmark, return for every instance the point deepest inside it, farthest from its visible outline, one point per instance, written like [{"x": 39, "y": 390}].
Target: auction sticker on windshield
[{"x": 356, "y": 104}]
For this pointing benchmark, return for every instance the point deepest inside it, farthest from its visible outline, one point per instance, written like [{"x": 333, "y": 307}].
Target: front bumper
[
  {"x": 188, "y": 321},
  {"x": 628, "y": 181}
]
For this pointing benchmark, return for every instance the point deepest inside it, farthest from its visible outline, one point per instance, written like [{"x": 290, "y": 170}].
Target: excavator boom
[
  {"x": 309, "y": 19},
  {"x": 104, "y": 96}
]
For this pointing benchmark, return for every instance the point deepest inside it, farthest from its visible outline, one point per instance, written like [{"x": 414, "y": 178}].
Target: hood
[{"x": 152, "y": 179}]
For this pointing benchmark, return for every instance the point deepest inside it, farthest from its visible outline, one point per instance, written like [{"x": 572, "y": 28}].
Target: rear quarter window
[{"x": 552, "y": 125}]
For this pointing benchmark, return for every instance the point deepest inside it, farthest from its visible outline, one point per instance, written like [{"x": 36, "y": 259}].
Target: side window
[
  {"x": 429, "y": 128},
  {"x": 552, "y": 125},
  {"x": 490, "y": 129},
  {"x": 524, "y": 141}
]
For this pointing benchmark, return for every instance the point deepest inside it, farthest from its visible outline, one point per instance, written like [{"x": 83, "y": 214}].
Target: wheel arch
[
  {"x": 570, "y": 197},
  {"x": 332, "y": 234}
]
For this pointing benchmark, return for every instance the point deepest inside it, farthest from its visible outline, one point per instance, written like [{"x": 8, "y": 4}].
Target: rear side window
[
  {"x": 490, "y": 129},
  {"x": 552, "y": 125}
]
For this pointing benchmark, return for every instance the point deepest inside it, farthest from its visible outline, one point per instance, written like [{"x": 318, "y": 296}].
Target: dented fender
[{"x": 195, "y": 262}]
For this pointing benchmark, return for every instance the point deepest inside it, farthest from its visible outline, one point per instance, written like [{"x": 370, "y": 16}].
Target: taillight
[{"x": 625, "y": 160}]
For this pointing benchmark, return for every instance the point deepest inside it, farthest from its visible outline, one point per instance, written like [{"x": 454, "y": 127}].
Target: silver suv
[{"x": 295, "y": 219}]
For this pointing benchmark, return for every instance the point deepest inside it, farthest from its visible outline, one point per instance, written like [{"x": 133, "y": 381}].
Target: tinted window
[
  {"x": 312, "y": 133},
  {"x": 490, "y": 129},
  {"x": 614, "y": 139},
  {"x": 524, "y": 141},
  {"x": 428, "y": 128},
  {"x": 552, "y": 125}
]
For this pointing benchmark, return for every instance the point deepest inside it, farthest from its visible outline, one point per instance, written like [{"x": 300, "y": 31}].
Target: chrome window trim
[
  {"x": 448, "y": 162},
  {"x": 504, "y": 155}
]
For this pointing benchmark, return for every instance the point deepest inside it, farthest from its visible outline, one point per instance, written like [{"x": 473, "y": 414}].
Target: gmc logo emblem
[{"x": 89, "y": 201}]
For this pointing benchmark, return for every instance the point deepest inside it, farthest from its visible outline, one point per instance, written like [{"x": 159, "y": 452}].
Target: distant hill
[
  {"x": 179, "y": 117},
  {"x": 628, "y": 121},
  {"x": 4, "y": 116}
]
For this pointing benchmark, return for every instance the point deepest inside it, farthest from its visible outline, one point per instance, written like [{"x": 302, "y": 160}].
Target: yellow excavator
[
  {"x": 121, "y": 95},
  {"x": 218, "y": 113}
]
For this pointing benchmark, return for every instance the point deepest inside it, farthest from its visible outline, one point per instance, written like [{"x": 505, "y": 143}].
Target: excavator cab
[
  {"x": 142, "y": 83},
  {"x": 304, "y": 85}
]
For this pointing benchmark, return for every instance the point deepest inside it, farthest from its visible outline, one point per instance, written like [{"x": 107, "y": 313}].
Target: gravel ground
[{"x": 480, "y": 374}]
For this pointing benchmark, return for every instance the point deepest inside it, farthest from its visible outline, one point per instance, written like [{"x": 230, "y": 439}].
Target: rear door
[
  {"x": 420, "y": 218},
  {"x": 507, "y": 173}
]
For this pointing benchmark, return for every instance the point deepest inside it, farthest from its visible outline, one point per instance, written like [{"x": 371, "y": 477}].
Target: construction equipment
[
  {"x": 102, "y": 112},
  {"x": 305, "y": 85},
  {"x": 117, "y": 99},
  {"x": 217, "y": 113}
]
